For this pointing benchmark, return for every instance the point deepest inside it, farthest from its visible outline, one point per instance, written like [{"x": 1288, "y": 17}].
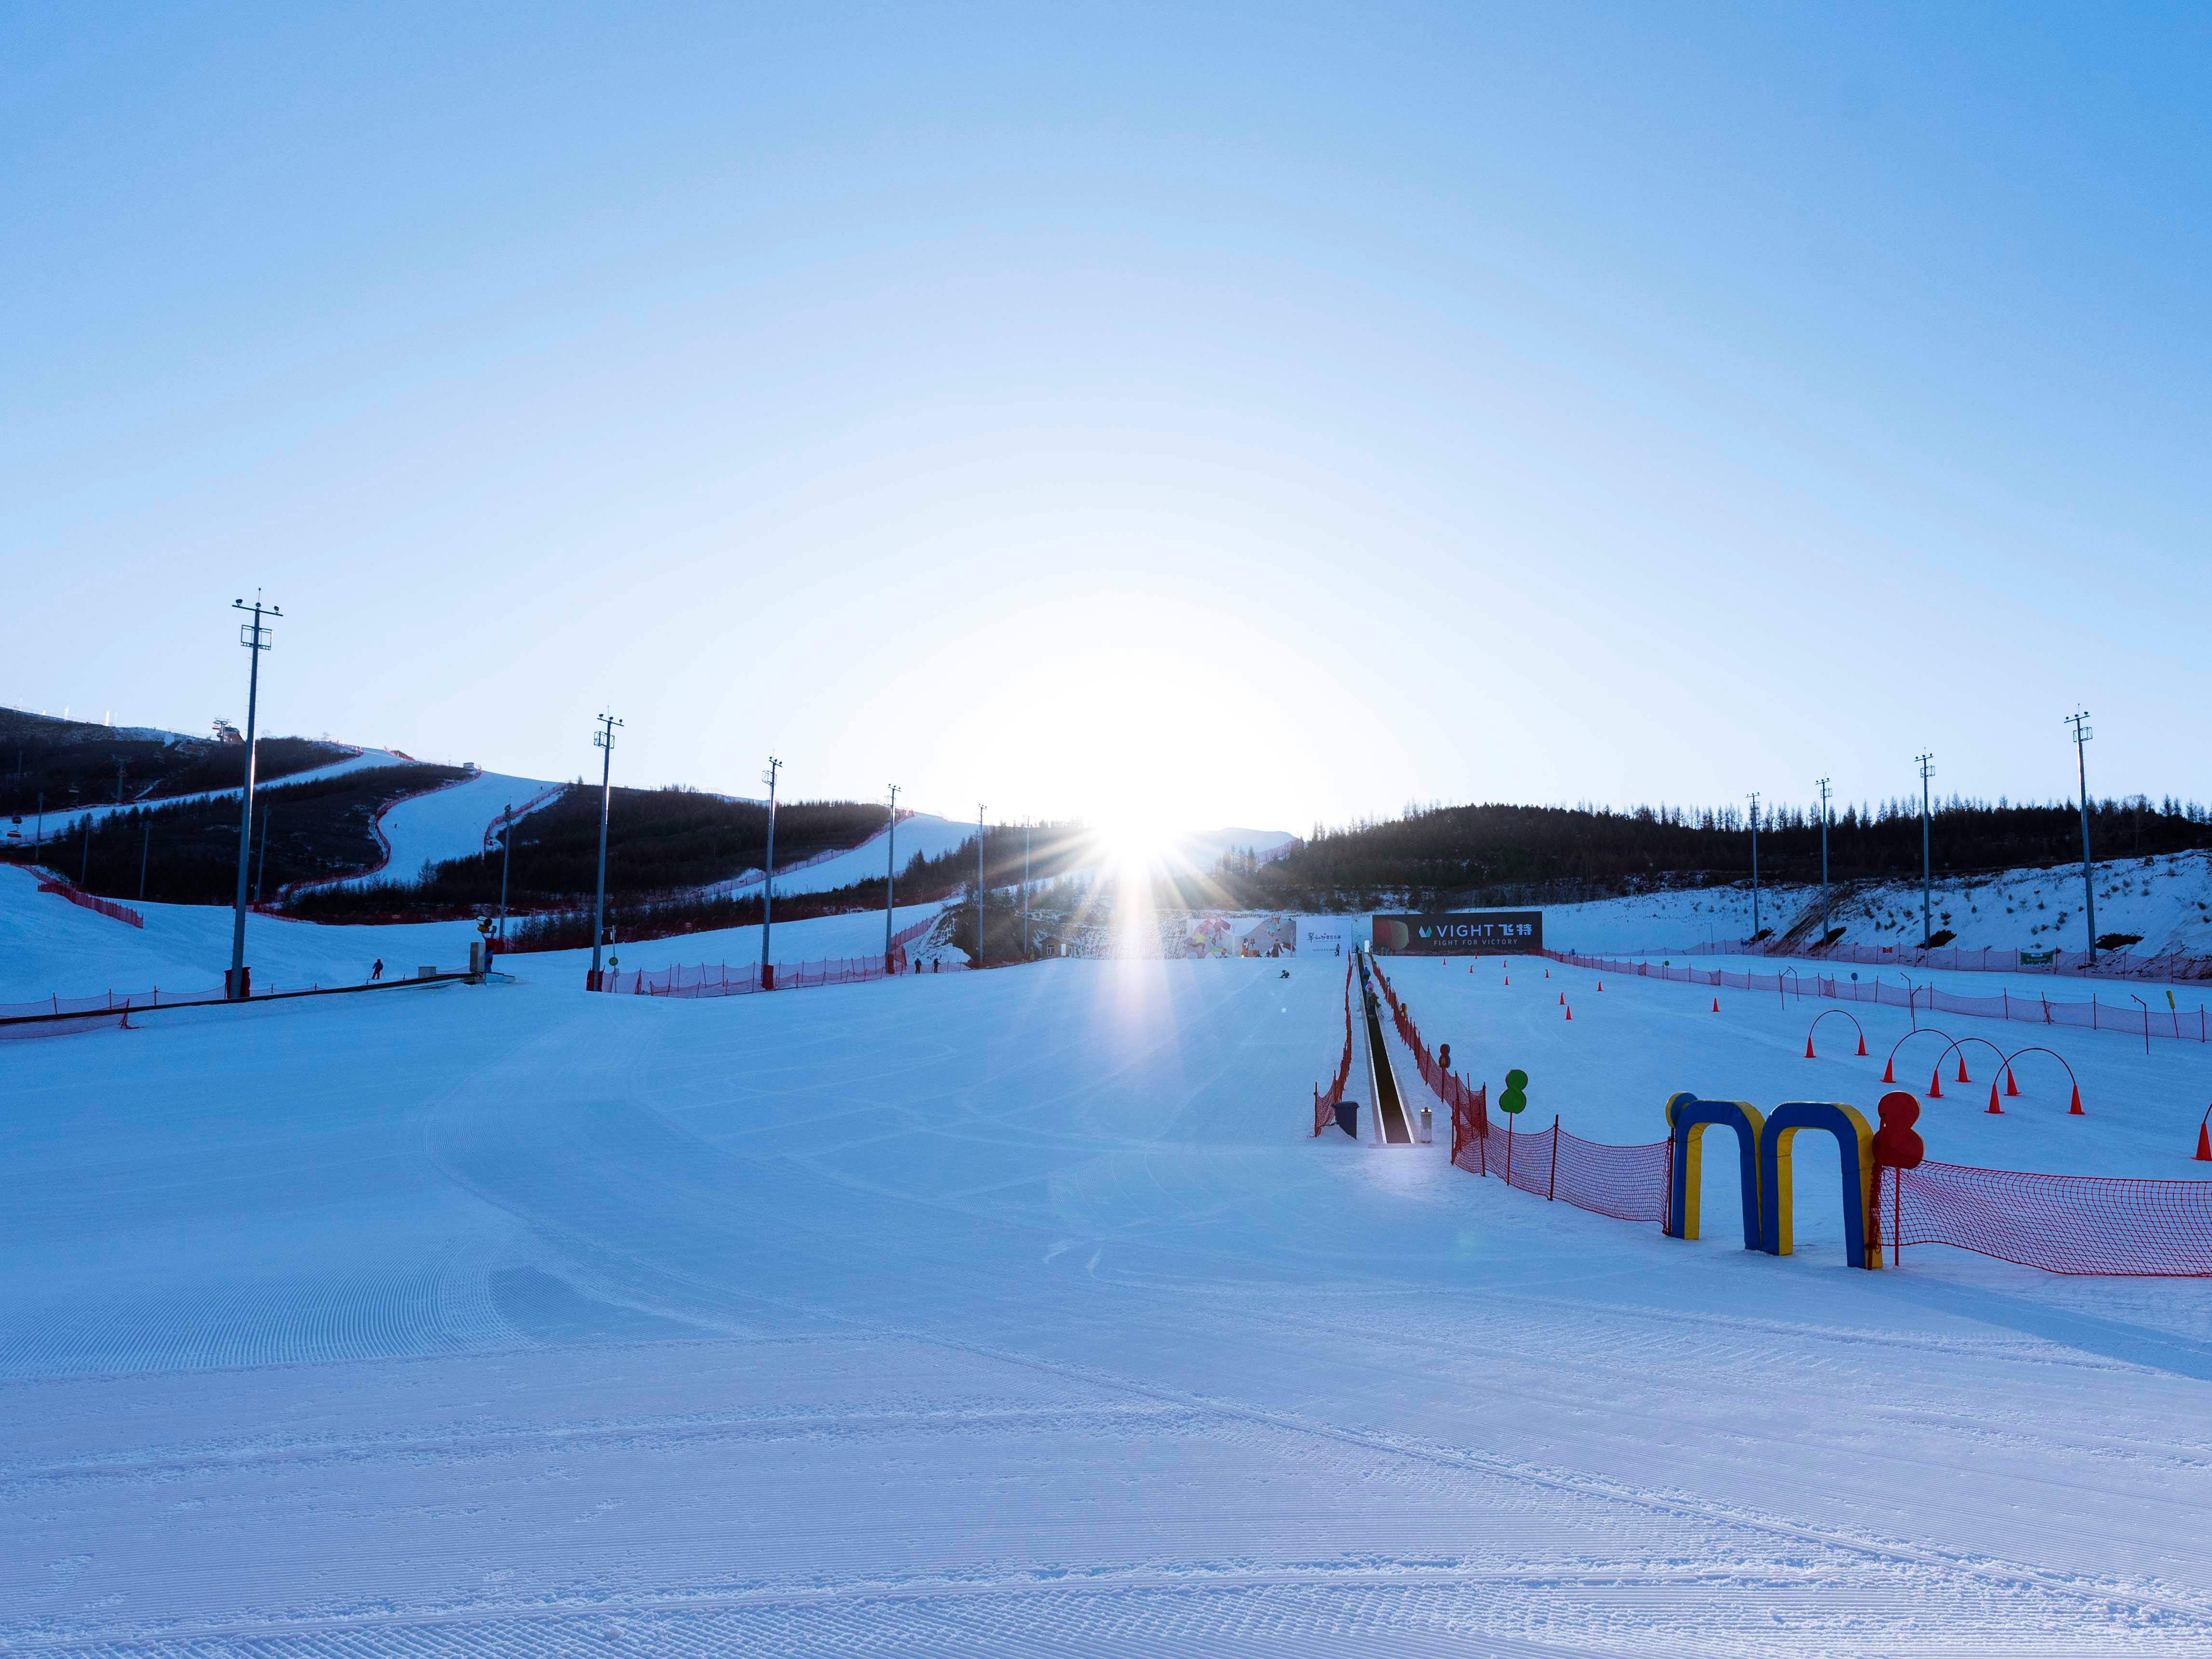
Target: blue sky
[{"x": 1182, "y": 414}]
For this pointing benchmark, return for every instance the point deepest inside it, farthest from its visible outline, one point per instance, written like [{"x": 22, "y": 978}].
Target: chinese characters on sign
[{"x": 1460, "y": 932}]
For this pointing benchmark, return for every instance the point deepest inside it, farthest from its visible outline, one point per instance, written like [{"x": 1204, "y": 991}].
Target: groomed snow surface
[{"x": 1015, "y": 1313}]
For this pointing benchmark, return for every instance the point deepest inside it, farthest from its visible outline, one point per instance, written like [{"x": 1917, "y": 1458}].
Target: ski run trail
[{"x": 1016, "y": 1313}]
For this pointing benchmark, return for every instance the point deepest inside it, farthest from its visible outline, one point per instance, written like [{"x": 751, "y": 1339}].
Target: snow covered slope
[
  {"x": 49, "y": 946},
  {"x": 924, "y": 834},
  {"x": 1015, "y": 1313},
  {"x": 452, "y": 822},
  {"x": 2167, "y": 900},
  {"x": 58, "y": 821}
]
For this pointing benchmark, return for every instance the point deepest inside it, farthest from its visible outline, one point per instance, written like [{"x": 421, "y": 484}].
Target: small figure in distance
[
  {"x": 377, "y": 972},
  {"x": 1285, "y": 974}
]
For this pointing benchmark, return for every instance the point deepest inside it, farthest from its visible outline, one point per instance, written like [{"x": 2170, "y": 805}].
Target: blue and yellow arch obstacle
[
  {"x": 1854, "y": 1141},
  {"x": 1687, "y": 1120}
]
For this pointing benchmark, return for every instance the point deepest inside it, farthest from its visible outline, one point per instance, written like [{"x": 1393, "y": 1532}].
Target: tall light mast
[{"x": 237, "y": 984}]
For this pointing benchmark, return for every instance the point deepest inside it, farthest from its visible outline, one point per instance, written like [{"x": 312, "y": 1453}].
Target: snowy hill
[{"x": 2168, "y": 901}]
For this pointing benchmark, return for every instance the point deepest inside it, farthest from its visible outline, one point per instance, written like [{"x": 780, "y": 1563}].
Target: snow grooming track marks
[{"x": 1002, "y": 1317}]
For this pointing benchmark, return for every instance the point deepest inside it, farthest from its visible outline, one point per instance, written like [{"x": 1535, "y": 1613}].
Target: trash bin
[{"x": 1347, "y": 1117}]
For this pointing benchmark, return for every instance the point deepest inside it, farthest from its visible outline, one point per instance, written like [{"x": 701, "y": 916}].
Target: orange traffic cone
[
  {"x": 1508, "y": 978},
  {"x": 1963, "y": 1077},
  {"x": 1862, "y": 1045},
  {"x": 1888, "y": 1066},
  {"x": 1563, "y": 999},
  {"x": 1996, "y": 1110},
  {"x": 2204, "y": 1142},
  {"x": 1717, "y": 1004},
  {"x": 2074, "y": 1107},
  {"x": 2011, "y": 1088},
  {"x": 1571, "y": 1014},
  {"x": 1809, "y": 1046},
  {"x": 1601, "y": 985},
  {"x": 1936, "y": 1085},
  {"x": 1548, "y": 973}
]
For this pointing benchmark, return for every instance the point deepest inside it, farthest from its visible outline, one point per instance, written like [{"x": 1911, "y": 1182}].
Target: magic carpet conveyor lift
[{"x": 1389, "y": 1110}]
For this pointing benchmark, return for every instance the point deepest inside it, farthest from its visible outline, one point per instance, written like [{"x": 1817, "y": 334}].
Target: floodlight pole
[
  {"x": 603, "y": 741},
  {"x": 2082, "y": 734},
  {"x": 767, "y": 876},
  {"x": 1825, "y": 928},
  {"x": 979, "y": 884},
  {"x": 255, "y": 638},
  {"x": 506, "y": 857},
  {"x": 1754, "y": 864},
  {"x": 1028, "y": 830},
  {"x": 891, "y": 875},
  {"x": 1927, "y": 868}
]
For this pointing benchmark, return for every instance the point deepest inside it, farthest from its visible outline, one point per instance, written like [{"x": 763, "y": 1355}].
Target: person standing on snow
[{"x": 377, "y": 972}]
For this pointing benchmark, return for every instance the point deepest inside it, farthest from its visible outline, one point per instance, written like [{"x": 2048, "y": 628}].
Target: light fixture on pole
[
  {"x": 237, "y": 984},
  {"x": 767, "y": 876},
  {"x": 506, "y": 857},
  {"x": 890, "y": 876},
  {"x": 1927, "y": 868},
  {"x": 2082, "y": 734},
  {"x": 1825, "y": 928},
  {"x": 1754, "y": 864},
  {"x": 603, "y": 741}
]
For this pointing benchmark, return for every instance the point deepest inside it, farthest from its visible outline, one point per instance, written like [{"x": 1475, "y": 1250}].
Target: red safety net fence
[
  {"x": 1465, "y": 1105},
  {"x": 2060, "y": 1224},
  {"x": 1626, "y": 1182},
  {"x": 1325, "y": 1104},
  {"x": 2106, "y": 964},
  {"x": 50, "y": 883},
  {"x": 108, "y": 1002},
  {"x": 2100, "y": 1225},
  {"x": 2187, "y": 1024},
  {"x": 718, "y": 980}
]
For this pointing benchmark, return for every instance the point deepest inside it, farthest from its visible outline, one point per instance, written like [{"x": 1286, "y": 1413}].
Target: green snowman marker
[{"x": 1515, "y": 1097}]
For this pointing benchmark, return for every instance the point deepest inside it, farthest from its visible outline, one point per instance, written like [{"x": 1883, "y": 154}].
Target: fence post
[{"x": 1551, "y": 1185}]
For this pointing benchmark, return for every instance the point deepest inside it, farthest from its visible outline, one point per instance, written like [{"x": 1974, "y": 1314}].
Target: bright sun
[{"x": 1141, "y": 744}]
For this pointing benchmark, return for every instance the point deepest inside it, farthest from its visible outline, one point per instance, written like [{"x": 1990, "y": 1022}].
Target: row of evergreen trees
[{"x": 1475, "y": 853}]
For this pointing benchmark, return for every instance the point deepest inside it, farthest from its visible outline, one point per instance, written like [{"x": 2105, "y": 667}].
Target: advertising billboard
[{"x": 1459, "y": 933}]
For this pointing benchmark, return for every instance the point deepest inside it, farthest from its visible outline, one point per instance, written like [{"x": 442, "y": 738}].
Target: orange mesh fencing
[
  {"x": 2184, "y": 1024},
  {"x": 2104, "y": 1224},
  {"x": 1325, "y": 1105}
]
